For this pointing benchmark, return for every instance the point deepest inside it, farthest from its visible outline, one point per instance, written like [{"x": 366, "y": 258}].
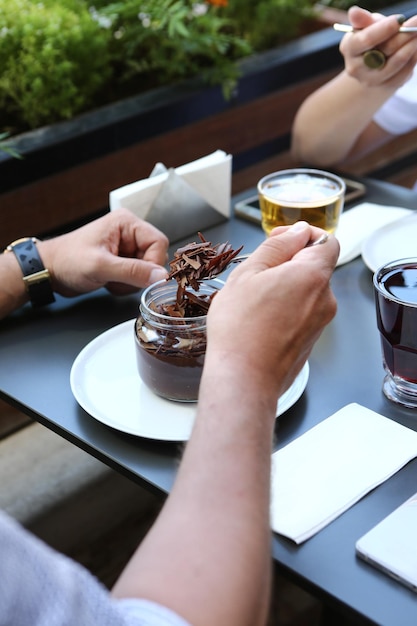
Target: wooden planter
[{"x": 69, "y": 169}]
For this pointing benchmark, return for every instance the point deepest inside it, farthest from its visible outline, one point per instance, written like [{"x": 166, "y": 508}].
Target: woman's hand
[
  {"x": 335, "y": 125},
  {"x": 374, "y": 31}
]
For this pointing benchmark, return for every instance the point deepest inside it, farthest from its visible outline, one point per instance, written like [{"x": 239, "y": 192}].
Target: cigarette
[{"x": 347, "y": 28}]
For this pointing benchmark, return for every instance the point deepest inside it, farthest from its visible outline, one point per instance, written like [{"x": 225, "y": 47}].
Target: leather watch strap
[{"x": 37, "y": 279}]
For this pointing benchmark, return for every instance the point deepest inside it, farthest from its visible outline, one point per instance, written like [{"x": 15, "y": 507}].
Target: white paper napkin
[
  {"x": 358, "y": 223},
  {"x": 183, "y": 200},
  {"x": 321, "y": 474}
]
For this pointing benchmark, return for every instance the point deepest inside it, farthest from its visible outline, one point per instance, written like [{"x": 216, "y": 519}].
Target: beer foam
[{"x": 300, "y": 188}]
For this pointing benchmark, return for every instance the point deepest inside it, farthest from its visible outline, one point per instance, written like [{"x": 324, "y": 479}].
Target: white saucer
[
  {"x": 105, "y": 382},
  {"x": 390, "y": 242}
]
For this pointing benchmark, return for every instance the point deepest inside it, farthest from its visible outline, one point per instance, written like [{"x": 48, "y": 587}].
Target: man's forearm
[
  {"x": 223, "y": 487},
  {"x": 13, "y": 293}
]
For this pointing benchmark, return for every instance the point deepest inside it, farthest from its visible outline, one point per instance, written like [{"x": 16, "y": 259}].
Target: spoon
[
  {"x": 242, "y": 257},
  {"x": 347, "y": 28}
]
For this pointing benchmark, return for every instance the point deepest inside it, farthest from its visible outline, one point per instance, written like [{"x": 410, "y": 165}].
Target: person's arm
[
  {"x": 13, "y": 293},
  {"x": 118, "y": 251},
  {"x": 334, "y": 124},
  {"x": 208, "y": 555}
]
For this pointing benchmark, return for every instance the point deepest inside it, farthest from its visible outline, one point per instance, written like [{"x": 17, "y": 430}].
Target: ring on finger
[{"x": 374, "y": 59}]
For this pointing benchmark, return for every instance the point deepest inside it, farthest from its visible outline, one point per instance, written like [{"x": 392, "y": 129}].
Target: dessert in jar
[{"x": 170, "y": 331}]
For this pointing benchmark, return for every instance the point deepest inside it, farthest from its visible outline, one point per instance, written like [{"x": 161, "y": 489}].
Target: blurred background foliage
[
  {"x": 371, "y": 5},
  {"x": 63, "y": 57}
]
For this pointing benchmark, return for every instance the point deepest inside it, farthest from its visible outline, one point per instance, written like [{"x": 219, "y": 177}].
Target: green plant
[
  {"x": 267, "y": 23},
  {"x": 163, "y": 41},
  {"x": 53, "y": 58},
  {"x": 62, "y": 57},
  {"x": 166, "y": 40}
]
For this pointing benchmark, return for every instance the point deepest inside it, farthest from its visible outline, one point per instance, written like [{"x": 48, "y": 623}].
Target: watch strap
[{"x": 36, "y": 278}]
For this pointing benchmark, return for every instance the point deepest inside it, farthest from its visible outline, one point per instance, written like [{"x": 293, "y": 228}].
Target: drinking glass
[
  {"x": 287, "y": 196},
  {"x": 395, "y": 286}
]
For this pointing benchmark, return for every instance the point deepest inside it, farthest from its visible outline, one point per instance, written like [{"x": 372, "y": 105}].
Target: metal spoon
[
  {"x": 347, "y": 28},
  {"x": 242, "y": 257}
]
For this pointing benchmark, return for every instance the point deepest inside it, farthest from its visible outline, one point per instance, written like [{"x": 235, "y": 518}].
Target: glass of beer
[
  {"x": 396, "y": 309},
  {"x": 288, "y": 196}
]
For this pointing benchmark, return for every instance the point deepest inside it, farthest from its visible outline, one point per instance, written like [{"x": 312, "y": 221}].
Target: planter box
[{"x": 69, "y": 169}]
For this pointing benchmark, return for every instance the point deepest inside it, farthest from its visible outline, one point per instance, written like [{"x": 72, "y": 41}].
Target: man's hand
[
  {"x": 274, "y": 306},
  {"x": 118, "y": 251}
]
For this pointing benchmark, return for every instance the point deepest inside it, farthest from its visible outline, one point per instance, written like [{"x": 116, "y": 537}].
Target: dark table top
[{"x": 38, "y": 348}]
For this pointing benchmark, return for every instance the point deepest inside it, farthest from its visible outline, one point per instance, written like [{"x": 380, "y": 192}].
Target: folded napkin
[
  {"x": 321, "y": 474},
  {"x": 356, "y": 224},
  {"x": 184, "y": 200}
]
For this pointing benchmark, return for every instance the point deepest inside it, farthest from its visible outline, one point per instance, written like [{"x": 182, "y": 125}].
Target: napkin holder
[{"x": 181, "y": 201}]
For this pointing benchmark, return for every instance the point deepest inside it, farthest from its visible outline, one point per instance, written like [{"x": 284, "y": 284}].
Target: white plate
[
  {"x": 105, "y": 382},
  {"x": 397, "y": 240}
]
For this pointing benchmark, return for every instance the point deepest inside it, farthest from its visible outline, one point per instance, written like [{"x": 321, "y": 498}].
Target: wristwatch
[{"x": 36, "y": 278}]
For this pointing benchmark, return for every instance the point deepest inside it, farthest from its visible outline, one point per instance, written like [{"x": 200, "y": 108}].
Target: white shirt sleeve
[
  {"x": 150, "y": 614},
  {"x": 399, "y": 113},
  {"x": 40, "y": 587}
]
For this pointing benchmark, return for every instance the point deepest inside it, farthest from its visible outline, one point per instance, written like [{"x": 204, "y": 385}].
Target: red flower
[{"x": 218, "y": 3}]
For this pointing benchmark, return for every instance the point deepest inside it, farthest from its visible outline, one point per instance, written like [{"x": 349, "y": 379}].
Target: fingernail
[
  {"x": 298, "y": 226},
  {"x": 158, "y": 273},
  {"x": 401, "y": 18}
]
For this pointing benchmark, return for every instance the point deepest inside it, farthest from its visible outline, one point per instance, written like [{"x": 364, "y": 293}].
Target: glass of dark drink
[{"x": 396, "y": 307}]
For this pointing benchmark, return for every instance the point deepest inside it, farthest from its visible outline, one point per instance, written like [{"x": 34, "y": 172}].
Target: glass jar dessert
[
  {"x": 170, "y": 349},
  {"x": 170, "y": 331}
]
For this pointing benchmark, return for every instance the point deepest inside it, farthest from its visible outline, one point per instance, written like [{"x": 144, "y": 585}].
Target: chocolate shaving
[
  {"x": 191, "y": 264},
  {"x": 197, "y": 261}
]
